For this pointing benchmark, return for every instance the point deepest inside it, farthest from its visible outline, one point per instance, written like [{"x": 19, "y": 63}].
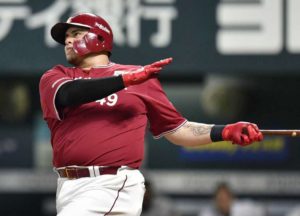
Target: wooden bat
[{"x": 291, "y": 133}]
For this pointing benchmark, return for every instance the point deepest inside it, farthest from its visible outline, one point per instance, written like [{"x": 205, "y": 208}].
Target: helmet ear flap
[{"x": 90, "y": 43}]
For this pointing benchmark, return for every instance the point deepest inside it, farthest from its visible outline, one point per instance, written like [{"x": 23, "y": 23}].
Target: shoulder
[
  {"x": 56, "y": 74},
  {"x": 59, "y": 68},
  {"x": 56, "y": 70}
]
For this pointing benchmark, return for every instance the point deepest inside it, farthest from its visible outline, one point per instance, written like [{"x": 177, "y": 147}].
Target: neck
[{"x": 94, "y": 60}]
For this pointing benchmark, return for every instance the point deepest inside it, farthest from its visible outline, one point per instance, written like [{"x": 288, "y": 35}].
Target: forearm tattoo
[{"x": 197, "y": 128}]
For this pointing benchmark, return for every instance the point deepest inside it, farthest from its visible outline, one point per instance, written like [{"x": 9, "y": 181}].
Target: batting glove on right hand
[
  {"x": 242, "y": 133},
  {"x": 147, "y": 72}
]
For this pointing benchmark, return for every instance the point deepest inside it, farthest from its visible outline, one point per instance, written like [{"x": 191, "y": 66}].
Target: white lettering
[
  {"x": 124, "y": 16},
  {"x": 48, "y": 18},
  {"x": 10, "y": 13},
  {"x": 102, "y": 27},
  {"x": 77, "y": 78},
  {"x": 293, "y": 26},
  {"x": 101, "y": 101},
  {"x": 110, "y": 100},
  {"x": 165, "y": 16},
  {"x": 250, "y": 28}
]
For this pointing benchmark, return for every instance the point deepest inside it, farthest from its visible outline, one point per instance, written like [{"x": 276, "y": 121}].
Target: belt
[{"x": 76, "y": 172}]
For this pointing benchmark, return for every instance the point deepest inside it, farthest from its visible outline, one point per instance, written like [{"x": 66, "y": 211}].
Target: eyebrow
[{"x": 74, "y": 31}]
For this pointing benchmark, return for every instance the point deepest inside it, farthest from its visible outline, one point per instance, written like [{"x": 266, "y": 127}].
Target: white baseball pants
[{"x": 121, "y": 194}]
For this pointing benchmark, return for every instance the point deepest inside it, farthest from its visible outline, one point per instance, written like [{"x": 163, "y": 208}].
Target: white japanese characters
[
  {"x": 258, "y": 27},
  {"x": 11, "y": 10},
  {"x": 125, "y": 17}
]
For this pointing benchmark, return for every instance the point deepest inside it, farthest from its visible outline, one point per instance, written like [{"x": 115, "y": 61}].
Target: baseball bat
[{"x": 291, "y": 133}]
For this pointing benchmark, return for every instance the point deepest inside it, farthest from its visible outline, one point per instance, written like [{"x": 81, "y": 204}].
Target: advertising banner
[{"x": 221, "y": 36}]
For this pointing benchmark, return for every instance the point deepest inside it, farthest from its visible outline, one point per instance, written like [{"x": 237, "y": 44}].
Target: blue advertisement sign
[{"x": 269, "y": 150}]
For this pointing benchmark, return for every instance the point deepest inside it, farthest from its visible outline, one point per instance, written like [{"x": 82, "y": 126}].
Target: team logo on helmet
[{"x": 102, "y": 27}]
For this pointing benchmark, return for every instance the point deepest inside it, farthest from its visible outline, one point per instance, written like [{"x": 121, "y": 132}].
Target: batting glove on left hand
[{"x": 242, "y": 133}]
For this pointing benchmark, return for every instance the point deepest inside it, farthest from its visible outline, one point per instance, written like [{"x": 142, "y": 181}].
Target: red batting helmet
[{"x": 99, "y": 37}]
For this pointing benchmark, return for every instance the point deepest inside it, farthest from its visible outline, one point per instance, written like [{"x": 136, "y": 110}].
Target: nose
[{"x": 68, "y": 40}]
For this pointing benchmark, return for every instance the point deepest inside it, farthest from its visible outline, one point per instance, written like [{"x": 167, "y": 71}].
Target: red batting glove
[
  {"x": 141, "y": 75},
  {"x": 242, "y": 133},
  {"x": 161, "y": 63}
]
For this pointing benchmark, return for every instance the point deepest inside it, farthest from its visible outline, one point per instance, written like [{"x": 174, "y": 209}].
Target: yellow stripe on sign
[{"x": 268, "y": 145}]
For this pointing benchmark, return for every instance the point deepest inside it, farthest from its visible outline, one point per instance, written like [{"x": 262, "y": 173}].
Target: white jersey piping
[{"x": 169, "y": 131}]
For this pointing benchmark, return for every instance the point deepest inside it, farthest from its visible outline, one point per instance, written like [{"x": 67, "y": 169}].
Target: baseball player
[{"x": 98, "y": 111}]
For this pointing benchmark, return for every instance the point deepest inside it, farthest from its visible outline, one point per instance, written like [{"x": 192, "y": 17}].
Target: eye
[{"x": 76, "y": 34}]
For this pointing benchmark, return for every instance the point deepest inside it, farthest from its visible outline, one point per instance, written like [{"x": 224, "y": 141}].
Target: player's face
[{"x": 72, "y": 34}]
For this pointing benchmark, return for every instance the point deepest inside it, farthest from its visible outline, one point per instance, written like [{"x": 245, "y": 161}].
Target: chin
[{"x": 72, "y": 59}]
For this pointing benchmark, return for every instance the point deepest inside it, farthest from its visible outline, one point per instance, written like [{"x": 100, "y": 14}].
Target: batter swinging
[{"x": 98, "y": 112}]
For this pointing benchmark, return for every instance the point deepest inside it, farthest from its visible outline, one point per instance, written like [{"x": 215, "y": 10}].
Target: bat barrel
[{"x": 292, "y": 133}]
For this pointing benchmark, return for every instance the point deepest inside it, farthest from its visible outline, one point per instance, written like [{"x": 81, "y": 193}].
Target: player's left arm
[{"x": 195, "y": 134}]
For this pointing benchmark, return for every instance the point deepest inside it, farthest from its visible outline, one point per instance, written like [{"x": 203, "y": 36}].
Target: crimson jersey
[{"x": 109, "y": 131}]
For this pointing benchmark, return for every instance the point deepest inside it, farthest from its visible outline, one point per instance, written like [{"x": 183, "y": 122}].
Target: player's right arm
[
  {"x": 87, "y": 90},
  {"x": 59, "y": 90},
  {"x": 84, "y": 91}
]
